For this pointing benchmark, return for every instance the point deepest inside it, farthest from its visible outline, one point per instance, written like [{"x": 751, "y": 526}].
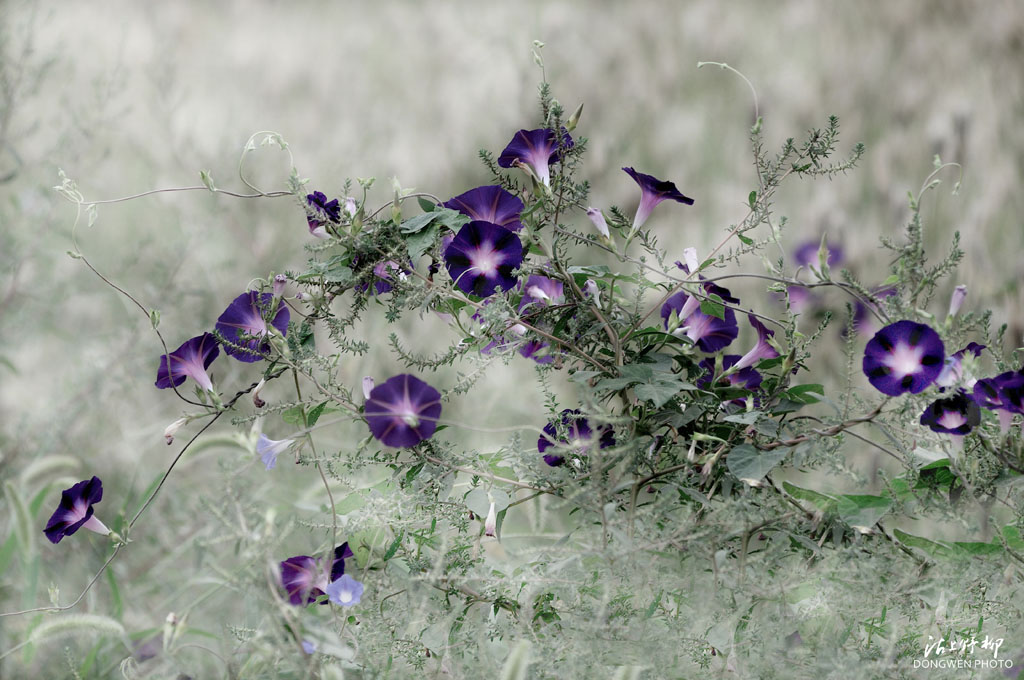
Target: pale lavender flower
[{"x": 269, "y": 449}]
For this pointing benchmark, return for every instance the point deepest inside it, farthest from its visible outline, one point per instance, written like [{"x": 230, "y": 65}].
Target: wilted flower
[
  {"x": 76, "y": 512},
  {"x": 491, "y": 523},
  {"x": 345, "y": 591},
  {"x": 305, "y": 579},
  {"x": 903, "y": 357},
  {"x": 269, "y": 449},
  {"x": 536, "y": 149},
  {"x": 955, "y": 415},
  {"x": 652, "y": 192},
  {"x": 577, "y": 436},
  {"x": 320, "y": 211},
  {"x": 403, "y": 411},
  {"x": 256, "y": 401},
  {"x": 482, "y": 257},
  {"x": 172, "y": 429},
  {"x": 489, "y": 204},
  {"x": 188, "y": 361},
  {"x": 244, "y": 325}
]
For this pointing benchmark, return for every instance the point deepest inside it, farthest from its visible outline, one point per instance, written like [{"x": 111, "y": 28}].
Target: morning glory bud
[
  {"x": 367, "y": 386},
  {"x": 574, "y": 119},
  {"x": 350, "y": 206},
  {"x": 957, "y": 299},
  {"x": 597, "y": 217},
  {"x": 279, "y": 281}
]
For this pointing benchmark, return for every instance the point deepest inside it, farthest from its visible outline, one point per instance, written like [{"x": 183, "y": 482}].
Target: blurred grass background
[{"x": 127, "y": 97}]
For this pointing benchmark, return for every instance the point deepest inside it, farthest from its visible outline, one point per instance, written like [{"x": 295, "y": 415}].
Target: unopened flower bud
[
  {"x": 491, "y": 523},
  {"x": 350, "y": 206},
  {"x": 592, "y": 291},
  {"x": 574, "y": 119},
  {"x": 256, "y": 401},
  {"x": 279, "y": 282},
  {"x": 957, "y": 300},
  {"x": 367, "y": 386},
  {"x": 172, "y": 429},
  {"x": 597, "y": 217}
]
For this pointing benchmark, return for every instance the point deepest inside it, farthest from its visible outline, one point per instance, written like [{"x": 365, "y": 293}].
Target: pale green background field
[{"x": 127, "y": 97}]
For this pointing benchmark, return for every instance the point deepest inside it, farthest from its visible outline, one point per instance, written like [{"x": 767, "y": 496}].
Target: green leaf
[
  {"x": 805, "y": 394},
  {"x": 293, "y": 416},
  {"x": 419, "y": 243},
  {"x": 746, "y": 240},
  {"x": 752, "y": 199},
  {"x": 713, "y": 306},
  {"x": 315, "y": 413},
  {"x": 418, "y": 223},
  {"x": 659, "y": 392},
  {"x": 393, "y": 548},
  {"x": 425, "y": 205},
  {"x": 1011, "y": 535},
  {"x": 823, "y": 502},
  {"x": 745, "y": 418},
  {"x": 862, "y": 511},
  {"x": 750, "y": 465}
]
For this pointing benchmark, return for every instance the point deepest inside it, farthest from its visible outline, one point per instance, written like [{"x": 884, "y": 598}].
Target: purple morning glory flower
[
  {"x": 305, "y": 579},
  {"x": 953, "y": 370},
  {"x": 320, "y": 210},
  {"x": 903, "y": 357},
  {"x": 536, "y": 149},
  {"x": 244, "y": 323},
  {"x": 652, "y": 192},
  {"x": 188, "y": 361},
  {"x": 762, "y": 350},
  {"x": 269, "y": 449},
  {"x": 75, "y": 511},
  {"x": 577, "y": 435},
  {"x": 309, "y": 646},
  {"x": 1003, "y": 394},
  {"x": 482, "y": 257},
  {"x": 957, "y": 415},
  {"x": 708, "y": 332},
  {"x": 745, "y": 378},
  {"x": 489, "y": 204},
  {"x": 346, "y": 591},
  {"x": 403, "y": 411},
  {"x": 806, "y": 254},
  {"x": 597, "y": 217},
  {"x": 540, "y": 291}
]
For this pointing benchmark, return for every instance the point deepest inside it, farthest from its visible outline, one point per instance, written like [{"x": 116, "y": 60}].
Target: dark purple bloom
[
  {"x": 652, "y": 192},
  {"x": 806, "y": 254},
  {"x": 244, "y": 323},
  {"x": 75, "y": 511},
  {"x": 482, "y": 257},
  {"x": 1003, "y": 393},
  {"x": 762, "y": 350},
  {"x": 531, "y": 349},
  {"x": 305, "y": 578},
  {"x": 744, "y": 378},
  {"x": 952, "y": 369},
  {"x": 188, "y": 361},
  {"x": 574, "y": 432},
  {"x": 957, "y": 415},
  {"x": 903, "y": 357},
  {"x": 489, "y": 204},
  {"x": 403, "y": 411},
  {"x": 321, "y": 210},
  {"x": 708, "y": 332},
  {"x": 536, "y": 149}
]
